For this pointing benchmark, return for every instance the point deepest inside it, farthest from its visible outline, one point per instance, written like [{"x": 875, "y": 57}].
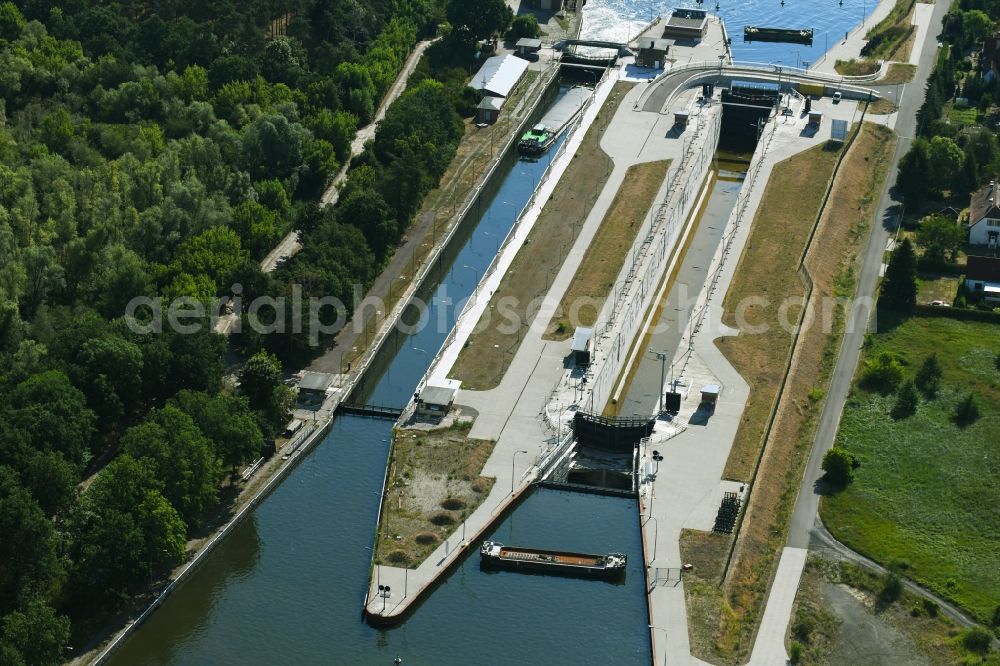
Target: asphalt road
[{"x": 804, "y": 517}]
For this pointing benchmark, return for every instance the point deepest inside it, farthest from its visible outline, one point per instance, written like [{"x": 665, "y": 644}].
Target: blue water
[{"x": 620, "y": 19}]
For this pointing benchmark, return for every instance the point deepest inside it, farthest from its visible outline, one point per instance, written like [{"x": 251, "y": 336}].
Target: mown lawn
[{"x": 927, "y": 491}]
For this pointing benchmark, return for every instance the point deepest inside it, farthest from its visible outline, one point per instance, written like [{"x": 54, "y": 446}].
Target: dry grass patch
[
  {"x": 488, "y": 351},
  {"x": 899, "y": 73},
  {"x": 603, "y": 261},
  {"x": 434, "y": 484},
  {"x": 706, "y": 604},
  {"x": 845, "y": 225},
  {"x": 881, "y": 107},
  {"x": 855, "y": 67}
]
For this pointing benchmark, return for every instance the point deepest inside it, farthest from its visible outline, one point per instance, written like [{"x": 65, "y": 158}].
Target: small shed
[
  {"x": 815, "y": 118},
  {"x": 313, "y": 385},
  {"x": 710, "y": 394},
  {"x": 488, "y": 110},
  {"x": 653, "y": 52},
  {"x": 435, "y": 401},
  {"x": 292, "y": 427},
  {"x": 681, "y": 118},
  {"x": 528, "y": 46},
  {"x": 581, "y": 345},
  {"x": 686, "y": 24}
]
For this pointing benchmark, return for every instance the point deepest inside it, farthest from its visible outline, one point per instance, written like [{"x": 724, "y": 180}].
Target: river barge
[
  {"x": 541, "y": 137},
  {"x": 788, "y": 35},
  {"x": 495, "y": 554}
]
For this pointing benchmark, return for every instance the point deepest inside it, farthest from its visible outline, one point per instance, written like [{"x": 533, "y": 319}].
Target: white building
[{"x": 984, "y": 217}]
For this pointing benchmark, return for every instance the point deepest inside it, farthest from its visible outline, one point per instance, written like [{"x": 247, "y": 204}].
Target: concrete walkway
[{"x": 850, "y": 48}]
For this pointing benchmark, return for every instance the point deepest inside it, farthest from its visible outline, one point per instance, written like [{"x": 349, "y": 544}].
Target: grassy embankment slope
[
  {"x": 926, "y": 491},
  {"x": 724, "y": 620}
]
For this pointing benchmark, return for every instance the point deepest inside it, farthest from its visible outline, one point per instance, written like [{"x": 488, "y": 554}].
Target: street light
[
  {"x": 475, "y": 288},
  {"x": 664, "y": 646},
  {"x": 656, "y": 532},
  {"x": 662, "y": 358},
  {"x": 426, "y": 357},
  {"x": 512, "y": 459}
]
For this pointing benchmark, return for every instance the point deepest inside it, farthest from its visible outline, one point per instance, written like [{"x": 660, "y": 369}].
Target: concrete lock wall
[{"x": 639, "y": 280}]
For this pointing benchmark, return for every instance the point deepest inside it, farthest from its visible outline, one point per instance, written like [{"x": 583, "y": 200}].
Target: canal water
[{"x": 288, "y": 585}]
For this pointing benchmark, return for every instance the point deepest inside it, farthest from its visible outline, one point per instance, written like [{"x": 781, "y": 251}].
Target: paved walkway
[{"x": 850, "y": 48}]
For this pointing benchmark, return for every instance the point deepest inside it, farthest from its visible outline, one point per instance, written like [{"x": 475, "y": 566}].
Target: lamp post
[
  {"x": 656, "y": 532},
  {"x": 426, "y": 357},
  {"x": 664, "y": 640},
  {"x": 512, "y": 459},
  {"x": 475, "y": 288},
  {"x": 662, "y": 358}
]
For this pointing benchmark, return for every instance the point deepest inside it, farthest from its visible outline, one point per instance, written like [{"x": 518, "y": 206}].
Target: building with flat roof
[
  {"x": 653, "y": 52},
  {"x": 528, "y": 46},
  {"x": 686, "y": 24},
  {"x": 313, "y": 385},
  {"x": 581, "y": 345},
  {"x": 435, "y": 401}
]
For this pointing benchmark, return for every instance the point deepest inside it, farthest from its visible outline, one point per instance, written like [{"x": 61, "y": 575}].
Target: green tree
[
  {"x": 940, "y": 238},
  {"x": 929, "y": 376},
  {"x": 180, "y": 456},
  {"x": 228, "y": 422},
  {"x": 260, "y": 381},
  {"x": 899, "y": 289},
  {"x": 944, "y": 163},
  {"x": 912, "y": 180},
  {"x": 36, "y": 633},
  {"x": 27, "y": 550},
  {"x": 976, "y": 25},
  {"x": 11, "y": 21},
  {"x": 52, "y": 414},
  {"x": 906, "y": 401},
  {"x": 525, "y": 25},
  {"x": 966, "y": 411},
  {"x": 473, "y": 20},
  {"x": 124, "y": 530},
  {"x": 882, "y": 373},
  {"x": 839, "y": 467}
]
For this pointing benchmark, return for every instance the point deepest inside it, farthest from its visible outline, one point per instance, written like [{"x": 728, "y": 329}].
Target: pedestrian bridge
[{"x": 661, "y": 90}]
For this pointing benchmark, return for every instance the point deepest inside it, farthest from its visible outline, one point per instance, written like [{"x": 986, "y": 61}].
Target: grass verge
[
  {"x": 434, "y": 484},
  {"x": 926, "y": 489},
  {"x": 596, "y": 275},
  {"x": 761, "y": 359},
  {"x": 488, "y": 351}
]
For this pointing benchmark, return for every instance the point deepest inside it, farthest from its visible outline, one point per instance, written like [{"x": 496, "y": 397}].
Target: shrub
[
  {"x": 966, "y": 412},
  {"x": 929, "y": 376},
  {"x": 426, "y": 539},
  {"x": 882, "y": 373},
  {"x": 839, "y": 467},
  {"x": 930, "y": 607},
  {"x": 977, "y": 639},
  {"x": 453, "y": 503},
  {"x": 524, "y": 26},
  {"x": 795, "y": 651},
  {"x": 442, "y": 519},
  {"x": 398, "y": 557},
  {"x": 906, "y": 401},
  {"x": 803, "y": 628},
  {"x": 892, "y": 588}
]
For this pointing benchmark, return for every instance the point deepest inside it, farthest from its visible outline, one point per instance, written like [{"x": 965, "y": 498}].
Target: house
[
  {"x": 686, "y": 24},
  {"x": 435, "y": 401},
  {"x": 313, "y": 385},
  {"x": 652, "y": 52},
  {"x": 488, "y": 110},
  {"x": 581, "y": 346},
  {"x": 982, "y": 278},
  {"x": 984, "y": 217}
]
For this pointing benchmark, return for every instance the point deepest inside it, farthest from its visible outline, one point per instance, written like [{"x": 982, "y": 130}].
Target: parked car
[{"x": 836, "y": 97}]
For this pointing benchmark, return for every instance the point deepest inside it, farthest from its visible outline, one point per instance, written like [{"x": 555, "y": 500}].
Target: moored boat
[
  {"x": 495, "y": 554},
  {"x": 791, "y": 35},
  {"x": 536, "y": 140}
]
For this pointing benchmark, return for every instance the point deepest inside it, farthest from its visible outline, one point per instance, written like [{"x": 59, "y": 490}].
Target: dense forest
[{"x": 160, "y": 149}]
